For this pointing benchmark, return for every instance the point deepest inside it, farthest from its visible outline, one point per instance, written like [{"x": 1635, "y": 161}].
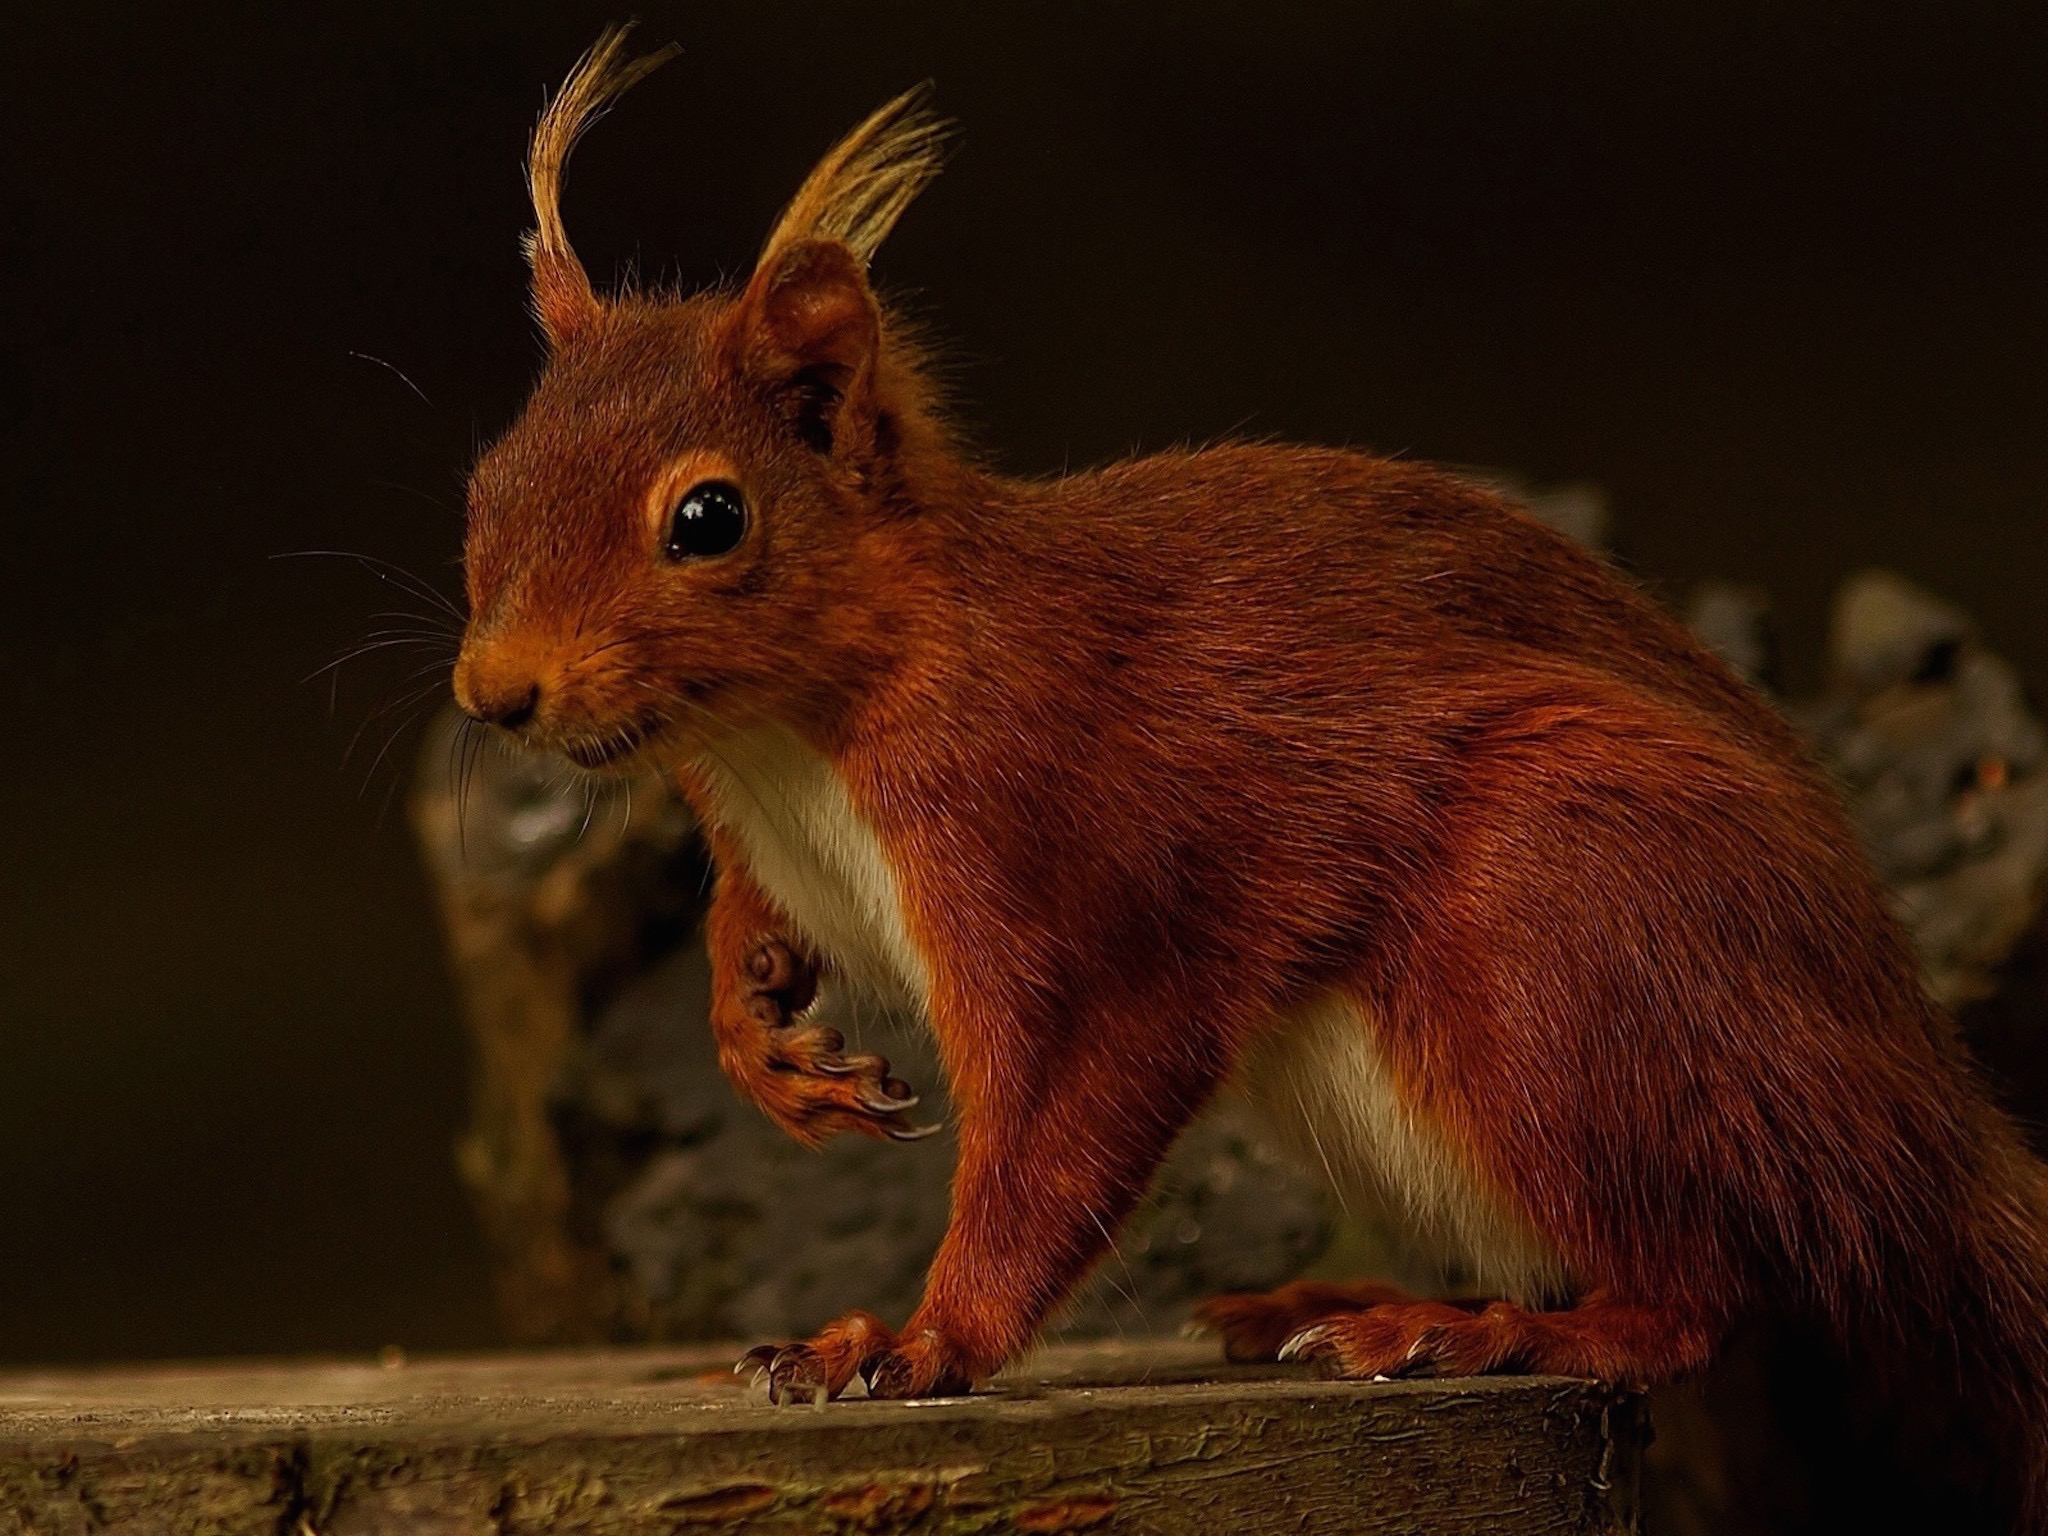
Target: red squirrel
[{"x": 1337, "y": 777}]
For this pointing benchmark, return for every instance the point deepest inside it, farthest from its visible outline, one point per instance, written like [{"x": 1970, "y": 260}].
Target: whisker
[
  {"x": 438, "y": 665},
  {"x": 454, "y": 750},
  {"x": 405, "y": 723},
  {"x": 384, "y": 805},
  {"x": 613, "y": 645},
  {"x": 386, "y": 571},
  {"x": 437, "y": 503},
  {"x": 589, "y": 807},
  {"x": 434, "y": 621},
  {"x": 1128, "y": 1291},
  {"x": 369, "y": 646},
  {"x": 408, "y": 383},
  {"x": 410, "y": 697},
  {"x": 469, "y": 751}
]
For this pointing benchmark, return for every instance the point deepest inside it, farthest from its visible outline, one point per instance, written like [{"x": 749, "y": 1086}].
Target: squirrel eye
[{"x": 709, "y": 520}]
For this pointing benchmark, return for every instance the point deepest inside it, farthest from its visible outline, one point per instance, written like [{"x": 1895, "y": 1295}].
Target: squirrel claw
[
  {"x": 881, "y": 1104},
  {"x": 838, "y": 1066},
  {"x": 755, "y": 1363},
  {"x": 910, "y": 1132},
  {"x": 836, "y": 1092},
  {"x": 1306, "y": 1344},
  {"x": 796, "y": 1374}
]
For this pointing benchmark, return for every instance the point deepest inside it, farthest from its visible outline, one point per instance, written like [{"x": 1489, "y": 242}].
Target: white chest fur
[
  {"x": 811, "y": 851},
  {"x": 1319, "y": 1081}
]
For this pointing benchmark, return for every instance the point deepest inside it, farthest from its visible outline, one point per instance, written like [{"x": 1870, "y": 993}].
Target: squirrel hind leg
[
  {"x": 1601, "y": 1339},
  {"x": 1254, "y": 1324}
]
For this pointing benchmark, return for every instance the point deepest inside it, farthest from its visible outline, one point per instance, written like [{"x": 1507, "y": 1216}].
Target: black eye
[{"x": 709, "y": 520}]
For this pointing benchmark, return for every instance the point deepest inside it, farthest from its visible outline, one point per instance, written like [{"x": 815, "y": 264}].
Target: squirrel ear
[
  {"x": 808, "y": 322},
  {"x": 809, "y": 325}
]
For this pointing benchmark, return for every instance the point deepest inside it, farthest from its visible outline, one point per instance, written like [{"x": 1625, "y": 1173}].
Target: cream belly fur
[
  {"x": 810, "y": 850},
  {"x": 1320, "y": 1084},
  {"x": 1316, "y": 1078}
]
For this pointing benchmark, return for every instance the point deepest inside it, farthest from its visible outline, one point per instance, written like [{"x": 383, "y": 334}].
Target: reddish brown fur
[{"x": 1161, "y": 751}]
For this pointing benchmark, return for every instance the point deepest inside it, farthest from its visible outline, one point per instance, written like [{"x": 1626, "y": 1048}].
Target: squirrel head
[{"x": 688, "y": 524}]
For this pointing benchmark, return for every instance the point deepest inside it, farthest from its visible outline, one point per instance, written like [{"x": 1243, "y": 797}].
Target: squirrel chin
[{"x": 618, "y": 753}]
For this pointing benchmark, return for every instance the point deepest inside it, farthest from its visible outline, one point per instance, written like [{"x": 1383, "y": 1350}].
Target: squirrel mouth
[{"x": 593, "y": 753}]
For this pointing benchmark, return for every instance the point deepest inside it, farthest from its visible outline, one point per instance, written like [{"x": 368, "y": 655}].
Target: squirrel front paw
[
  {"x": 779, "y": 983},
  {"x": 921, "y": 1364},
  {"x": 797, "y": 1070}
]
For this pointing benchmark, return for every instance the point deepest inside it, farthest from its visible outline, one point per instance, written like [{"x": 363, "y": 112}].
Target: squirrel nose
[
  {"x": 499, "y": 683},
  {"x": 508, "y": 709},
  {"x": 509, "y": 706},
  {"x": 495, "y": 693}
]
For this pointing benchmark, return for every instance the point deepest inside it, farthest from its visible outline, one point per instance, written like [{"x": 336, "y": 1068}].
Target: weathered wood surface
[{"x": 1151, "y": 1437}]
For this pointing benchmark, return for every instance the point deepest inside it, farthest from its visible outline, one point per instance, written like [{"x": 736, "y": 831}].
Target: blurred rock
[
  {"x": 1735, "y": 620},
  {"x": 1579, "y": 509},
  {"x": 1941, "y": 761},
  {"x": 554, "y": 895},
  {"x": 1885, "y": 631}
]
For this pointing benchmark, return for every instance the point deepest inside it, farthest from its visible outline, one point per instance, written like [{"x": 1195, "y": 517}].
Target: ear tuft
[
  {"x": 859, "y": 190},
  {"x": 562, "y": 295}
]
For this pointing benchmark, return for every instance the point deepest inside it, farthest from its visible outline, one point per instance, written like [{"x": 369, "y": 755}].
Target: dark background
[{"x": 1773, "y": 274}]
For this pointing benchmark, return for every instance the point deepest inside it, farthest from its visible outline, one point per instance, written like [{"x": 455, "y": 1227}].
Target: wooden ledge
[{"x": 1139, "y": 1437}]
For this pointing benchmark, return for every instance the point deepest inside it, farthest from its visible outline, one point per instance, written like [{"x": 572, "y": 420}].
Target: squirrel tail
[{"x": 1998, "y": 1324}]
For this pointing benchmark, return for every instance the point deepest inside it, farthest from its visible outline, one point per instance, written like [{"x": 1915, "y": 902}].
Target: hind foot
[
  {"x": 1255, "y": 1324},
  {"x": 1612, "y": 1342}
]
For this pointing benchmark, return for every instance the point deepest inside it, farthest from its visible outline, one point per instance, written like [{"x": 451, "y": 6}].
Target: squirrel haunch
[{"x": 1336, "y": 773}]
